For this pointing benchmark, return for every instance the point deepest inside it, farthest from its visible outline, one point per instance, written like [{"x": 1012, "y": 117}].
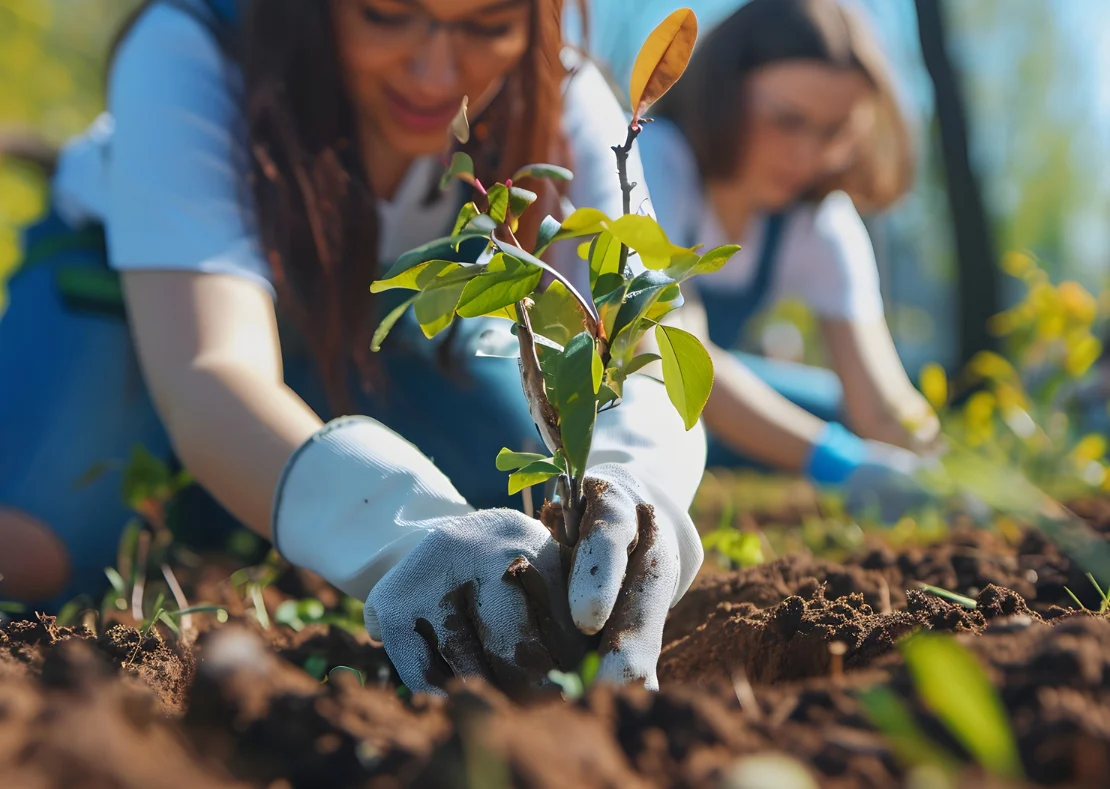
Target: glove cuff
[
  {"x": 354, "y": 500},
  {"x": 836, "y": 454}
]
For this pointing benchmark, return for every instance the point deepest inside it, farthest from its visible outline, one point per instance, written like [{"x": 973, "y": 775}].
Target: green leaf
[
  {"x": 548, "y": 229},
  {"x": 440, "y": 249},
  {"x": 435, "y": 306},
  {"x": 687, "y": 372},
  {"x": 670, "y": 299},
  {"x": 550, "y": 171},
  {"x": 711, "y": 261},
  {"x": 498, "y": 197},
  {"x": 643, "y": 292},
  {"x": 526, "y": 257},
  {"x": 507, "y": 460},
  {"x": 583, "y": 222},
  {"x": 890, "y": 715},
  {"x": 145, "y": 477},
  {"x": 608, "y": 284},
  {"x": 605, "y": 259},
  {"x": 576, "y": 385},
  {"x": 646, "y": 236},
  {"x": 956, "y": 689},
  {"x": 461, "y": 167},
  {"x": 557, "y": 315},
  {"x": 389, "y": 321},
  {"x": 466, "y": 213},
  {"x": 483, "y": 223},
  {"x": 116, "y": 580},
  {"x": 520, "y": 199},
  {"x": 533, "y": 474},
  {"x": 504, "y": 282},
  {"x": 410, "y": 279},
  {"x": 607, "y": 394},
  {"x": 639, "y": 362}
]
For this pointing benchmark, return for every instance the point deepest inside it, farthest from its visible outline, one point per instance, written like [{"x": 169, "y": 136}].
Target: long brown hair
[
  {"x": 708, "y": 103},
  {"x": 313, "y": 205}
]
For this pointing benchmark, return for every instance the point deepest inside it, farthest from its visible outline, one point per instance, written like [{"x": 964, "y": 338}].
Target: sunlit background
[{"x": 1031, "y": 71}]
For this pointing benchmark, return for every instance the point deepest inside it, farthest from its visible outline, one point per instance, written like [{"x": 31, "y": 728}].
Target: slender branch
[{"x": 622, "y": 152}]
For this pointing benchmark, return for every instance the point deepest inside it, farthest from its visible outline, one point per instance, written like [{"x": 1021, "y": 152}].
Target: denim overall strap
[{"x": 728, "y": 313}]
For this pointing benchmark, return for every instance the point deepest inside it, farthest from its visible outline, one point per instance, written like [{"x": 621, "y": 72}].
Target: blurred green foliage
[{"x": 52, "y": 56}]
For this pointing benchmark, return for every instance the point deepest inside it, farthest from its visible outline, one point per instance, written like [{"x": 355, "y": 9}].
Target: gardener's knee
[{"x": 34, "y": 564}]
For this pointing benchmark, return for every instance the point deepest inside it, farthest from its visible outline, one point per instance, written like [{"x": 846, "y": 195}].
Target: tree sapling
[{"x": 575, "y": 353}]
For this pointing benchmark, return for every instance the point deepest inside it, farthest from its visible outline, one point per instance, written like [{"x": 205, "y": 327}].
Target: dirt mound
[{"x": 756, "y": 663}]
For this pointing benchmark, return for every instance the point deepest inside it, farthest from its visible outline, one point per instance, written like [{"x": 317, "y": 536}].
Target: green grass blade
[
  {"x": 1071, "y": 594},
  {"x": 966, "y": 602}
]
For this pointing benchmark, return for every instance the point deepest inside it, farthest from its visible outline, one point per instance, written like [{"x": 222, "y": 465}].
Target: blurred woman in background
[
  {"x": 784, "y": 125},
  {"x": 260, "y": 165}
]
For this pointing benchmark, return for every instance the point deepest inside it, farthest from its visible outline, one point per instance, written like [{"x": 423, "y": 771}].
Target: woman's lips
[{"x": 420, "y": 119}]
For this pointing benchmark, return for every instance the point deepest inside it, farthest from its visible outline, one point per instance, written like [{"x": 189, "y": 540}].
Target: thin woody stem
[{"x": 622, "y": 152}]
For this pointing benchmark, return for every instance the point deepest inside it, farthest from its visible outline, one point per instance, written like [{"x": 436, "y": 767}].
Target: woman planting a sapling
[
  {"x": 260, "y": 166},
  {"x": 785, "y": 118}
]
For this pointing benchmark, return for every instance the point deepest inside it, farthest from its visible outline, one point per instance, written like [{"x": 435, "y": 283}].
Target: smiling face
[
  {"x": 409, "y": 63},
  {"x": 805, "y": 119}
]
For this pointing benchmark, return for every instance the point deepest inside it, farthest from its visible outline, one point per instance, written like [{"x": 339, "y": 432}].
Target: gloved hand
[
  {"x": 450, "y": 591},
  {"x": 878, "y": 480},
  {"x": 630, "y": 566}
]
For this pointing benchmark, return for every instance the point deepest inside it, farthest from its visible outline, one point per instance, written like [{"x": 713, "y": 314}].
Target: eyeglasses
[
  {"x": 498, "y": 25},
  {"x": 788, "y": 120}
]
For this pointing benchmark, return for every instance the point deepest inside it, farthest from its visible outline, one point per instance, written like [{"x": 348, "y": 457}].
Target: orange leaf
[{"x": 662, "y": 59}]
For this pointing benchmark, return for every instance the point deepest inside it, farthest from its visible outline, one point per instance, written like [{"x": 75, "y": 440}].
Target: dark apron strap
[{"x": 729, "y": 313}]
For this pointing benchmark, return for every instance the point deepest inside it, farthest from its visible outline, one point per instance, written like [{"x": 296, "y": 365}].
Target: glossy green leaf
[
  {"x": 507, "y": 460},
  {"x": 466, "y": 213},
  {"x": 505, "y": 281},
  {"x": 550, "y": 171},
  {"x": 643, "y": 292},
  {"x": 687, "y": 372},
  {"x": 605, "y": 259},
  {"x": 609, "y": 284},
  {"x": 607, "y": 394},
  {"x": 646, "y": 236},
  {"x": 440, "y": 249},
  {"x": 952, "y": 683},
  {"x": 387, "y": 324},
  {"x": 435, "y": 306},
  {"x": 535, "y": 473},
  {"x": 583, "y": 222},
  {"x": 483, "y": 223},
  {"x": 713, "y": 260},
  {"x": 557, "y": 315},
  {"x": 520, "y": 199},
  {"x": 498, "y": 197},
  {"x": 461, "y": 167},
  {"x": 579, "y": 377},
  {"x": 639, "y": 362},
  {"x": 410, "y": 278},
  {"x": 548, "y": 230},
  {"x": 670, "y": 299},
  {"x": 526, "y": 257}
]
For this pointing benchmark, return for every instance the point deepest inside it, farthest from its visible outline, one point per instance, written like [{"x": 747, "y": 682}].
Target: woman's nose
[{"x": 435, "y": 65}]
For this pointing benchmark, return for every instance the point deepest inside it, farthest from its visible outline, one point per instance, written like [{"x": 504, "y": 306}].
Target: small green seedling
[
  {"x": 959, "y": 599},
  {"x": 575, "y": 352},
  {"x": 574, "y": 684}
]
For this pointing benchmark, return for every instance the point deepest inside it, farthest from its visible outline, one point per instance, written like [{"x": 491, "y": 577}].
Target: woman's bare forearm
[
  {"x": 234, "y": 430},
  {"x": 753, "y": 419}
]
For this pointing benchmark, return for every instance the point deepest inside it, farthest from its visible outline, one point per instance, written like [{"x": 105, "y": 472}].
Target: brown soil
[{"x": 759, "y": 662}]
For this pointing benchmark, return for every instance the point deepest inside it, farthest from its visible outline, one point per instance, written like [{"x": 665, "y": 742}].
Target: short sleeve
[
  {"x": 828, "y": 262},
  {"x": 673, "y": 179},
  {"x": 175, "y": 194}
]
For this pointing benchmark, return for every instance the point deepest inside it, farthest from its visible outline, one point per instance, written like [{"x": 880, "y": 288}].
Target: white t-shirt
[
  {"x": 825, "y": 257},
  {"x": 163, "y": 168}
]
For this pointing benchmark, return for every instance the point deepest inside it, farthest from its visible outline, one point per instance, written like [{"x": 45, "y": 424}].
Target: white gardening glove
[
  {"x": 638, "y": 550},
  {"x": 362, "y": 507}
]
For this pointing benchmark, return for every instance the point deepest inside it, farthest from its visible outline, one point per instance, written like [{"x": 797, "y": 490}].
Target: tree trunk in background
[{"x": 976, "y": 258}]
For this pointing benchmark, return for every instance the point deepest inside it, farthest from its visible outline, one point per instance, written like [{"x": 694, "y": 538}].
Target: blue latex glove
[{"x": 878, "y": 480}]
